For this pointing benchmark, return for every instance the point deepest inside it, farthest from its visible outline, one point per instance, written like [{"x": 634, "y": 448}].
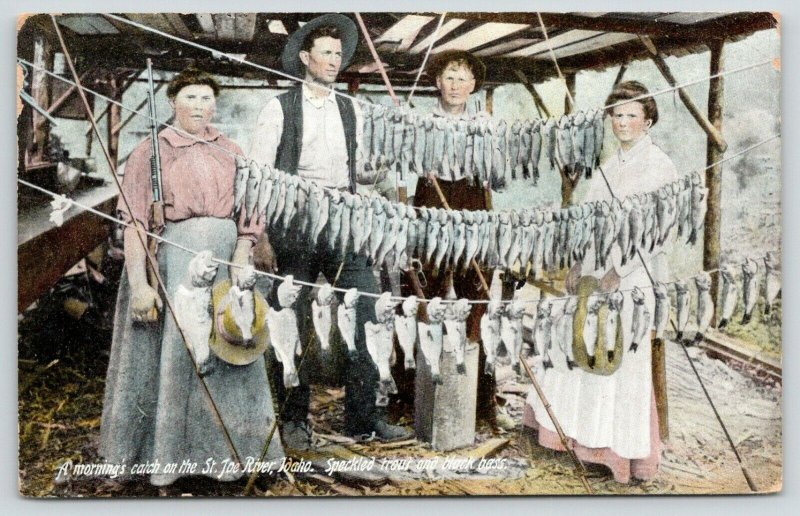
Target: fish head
[
  {"x": 462, "y": 308},
  {"x": 325, "y": 295},
  {"x": 246, "y": 279},
  {"x": 681, "y": 287},
  {"x": 637, "y": 296},
  {"x": 703, "y": 281},
  {"x": 593, "y": 304},
  {"x": 750, "y": 267},
  {"x": 660, "y": 290},
  {"x": 493, "y": 309},
  {"x": 410, "y": 306},
  {"x": 436, "y": 309},
  {"x": 351, "y": 297},
  {"x": 728, "y": 272},
  {"x": 543, "y": 309},
  {"x": 384, "y": 307},
  {"x": 202, "y": 269},
  {"x": 288, "y": 292}
]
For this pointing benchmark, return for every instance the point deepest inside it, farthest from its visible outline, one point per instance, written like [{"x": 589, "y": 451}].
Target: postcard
[{"x": 399, "y": 254}]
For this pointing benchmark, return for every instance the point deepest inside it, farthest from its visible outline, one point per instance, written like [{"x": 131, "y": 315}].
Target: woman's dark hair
[
  {"x": 323, "y": 31},
  {"x": 188, "y": 77},
  {"x": 630, "y": 90}
]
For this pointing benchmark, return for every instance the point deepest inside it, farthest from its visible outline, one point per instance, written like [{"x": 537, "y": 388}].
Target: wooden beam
[
  {"x": 712, "y": 231},
  {"x": 537, "y": 99},
  {"x": 116, "y": 128},
  {"x": 127, "y": 84},
  {"x": 65, "y": 96},
  {"x": 620, "y": 74},
  {"x": 114, "y": 117},
  {"x": 713, "y": 133}
]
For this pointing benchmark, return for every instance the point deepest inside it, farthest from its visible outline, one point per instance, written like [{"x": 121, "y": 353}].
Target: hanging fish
[
  {"x": 321, "y": 315},
  {"x": 636, "y": 221},
  {"x": 536, "y": 150},
  {"x": 566, "y": 331},
  {"x": 624, "y": 231},
  {"x": 460, "y": 151},
  {"x": 388, "y": 138},
  {"x": 614, "y": 302},
  {"x": 490, "y": 334},
  {"x": 347, "y": 206},
  {"x": 389, "y": 237},
  {"x": 366, "y": 226},
  {"x": 486, "y": 235},
  {"x": 407, "y": 149},
  {"x": 589, "y": 143},
  {"x": 564, "y": 146},
  {"x": 487, "y": 131},
  {"x": 459, "y": 237},
  {"x": 505, "y": 238},
  {"x": 698, "y": 208},
  {"x": 413, "y": 236},
  {"x": 750, "y": 288},
  {"x": 705, "y": 305},
  {"x": 455, "y": 322},
  {"x": 378, "y": 227},
  {"x": 366, "y": 136},
  {"x": 397, "y": 140},
  {"x": 290, "y": 206},
  {"x": 276, "y": 210},
  {"x": 335, "y": 212},
  {"x": 772, "y": 283},
  {"x": 378, "y": 136},
  {"x": 471, "y": 236},
  {"x": 192, "y": 304},
  {"x": 640, "y": 325},
  {"x": 515, "y": 250},
  {"x": 378, "y": 337},
  {"x": 264, "y": 193},
  {"x": 240, "y": 184},
  {"x": 591, "y": 327},
  {"x": 497, "y": 177},
  {"x": 346, "y": 319},
  {"x": 302, "y": 205},
  {"x": 681, "y": 307},
  {"x": 524, "y": 154},
  {"x": 578, "y": 133},
  {"x": 418, "y": 149},
  {"x": 684, "y": 205},
  {"x": 445, "y": 240},
  {"x": 324, "y": 216},
  {"x": 661, "y": 315},
  {"x": 547, "y": 241},
  {"x": 587, "y": 218},
  {"x": 430, "y": 136},
  {"x": 439, "y": 143},
  {"x": 252, "y": 189},
  {"x": 283, "y": 332},
  {"x": 406, "y": 327},
  {"x": 599, "y": 135},
  {"x": 542, "y": 331},
  {"x": 550, "y": 140},
  {"x": 513, "y": 149},
  {"x": 400, "y": 252},
  {"x": 430, "y": 337},
  {"x": 478, "y": 167},
  {"x": 511, "y": 331},
  {"x": 729, "y": 294},
  {"x": 357, "y": 223}
]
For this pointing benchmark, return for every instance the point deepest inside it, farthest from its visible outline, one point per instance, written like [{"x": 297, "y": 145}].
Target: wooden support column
[
  {"x": 711, "y": 233},
  {"x": 537, "y": 99},
  {"x": 620, "y": 74},
  {"x": 41, "y": 92},
  {"x": 713, "y": 132},
  {"x": 114, "y": 119},
  {"x": 567, "y": 184}
]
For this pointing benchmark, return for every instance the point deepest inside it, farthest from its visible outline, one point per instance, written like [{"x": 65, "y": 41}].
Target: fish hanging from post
[
  {"x": 662, "y": 309},
  {"x": 193, "y": 308},
  {"x": 406, "y": 328},
  {"x": 681, "y": 307},
  {"x": 321, "y": 314},
  {"x": 698, "y": 208},
  {"x": 542, "y": 331},
  {"x": 490, "y": 334},
  {"x": 591, "y": 327},
  {"x": 728, "y": 296},
  {"x": 252, "y": 190},
  {"x": 346, "y": 319},
  {"x": 772, "y": 282},
  {"x": 379, "y": 340},
  {"x": 511, "y": 332},
  {"x": 565, "y": 331},
  {"x": 430, "y": 337},
  {"x": 640, "y": 326},
  {"x": 705, "y": 305},
  {"x": 455, "y": 322},
  {"x": 614, "y": 302},
  {"x": 283, "y": 331},
  {"x": 750, "y": 288}
]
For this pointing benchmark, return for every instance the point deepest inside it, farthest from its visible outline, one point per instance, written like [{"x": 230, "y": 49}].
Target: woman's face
[
  {"x": 194, "y": 106},
  {"x": 629, "y": 124}
]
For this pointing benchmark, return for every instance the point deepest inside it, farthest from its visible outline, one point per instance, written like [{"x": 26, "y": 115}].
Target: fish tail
[
  {"x": 767, "y": 309},
  {"x": 746, "y": 318},
  {"x": 679, "y": 336},
  {"x": 723, "y": 323},
  {"x": 692, "y": 237},
  {"x": 698, "y": 338}
]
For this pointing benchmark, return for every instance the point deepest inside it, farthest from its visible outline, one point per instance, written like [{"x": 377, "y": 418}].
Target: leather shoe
[
  {"x": 387, "y": 433},
  {"x": 297, "y": 435}
]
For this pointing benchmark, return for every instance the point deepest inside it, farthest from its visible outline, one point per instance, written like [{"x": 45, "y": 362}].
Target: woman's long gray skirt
[{"x": 155, "y": 409}]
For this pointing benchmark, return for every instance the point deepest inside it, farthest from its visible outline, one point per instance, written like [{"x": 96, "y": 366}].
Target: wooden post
[
  {"x": 620, "y": 74},
  {"x": 714, "y": 135},
  {"x": 41, "y": 92},
  {"x": 659, "y": 369},
  {"x": 537, "y": 99},
  {"x": 114, "y": 119},
  {"x": 711, "y": 234},
  {"x": 570, "y": 80}
]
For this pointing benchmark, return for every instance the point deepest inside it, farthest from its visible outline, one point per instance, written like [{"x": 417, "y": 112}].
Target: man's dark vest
[{"x": 288, "y": 155}]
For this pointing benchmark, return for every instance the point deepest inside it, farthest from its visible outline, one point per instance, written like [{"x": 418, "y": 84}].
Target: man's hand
[
  {"x": 264, "y": 256},
  {"x": 372, "y": 177},
  {"x": 145, "y": 304}
]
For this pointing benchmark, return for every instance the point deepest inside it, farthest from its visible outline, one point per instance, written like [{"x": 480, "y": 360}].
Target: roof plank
[
  {"x": 481, "y": 35},
  {"x": 225, "y": 24},
  {"x": 506, "y": 47},
  {"x": 402, "y": 34},
  {"x": 207, "y": 24},
  {"x": 245, "y": 26},
  {"x": 449, "y": 26},
  {"x": 154, "y": 20},
  {"x": 178, "y": 27}
]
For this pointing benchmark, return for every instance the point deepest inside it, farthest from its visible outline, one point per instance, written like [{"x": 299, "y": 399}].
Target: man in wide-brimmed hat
[
  {"x": 458, "y": 74},
  {"x": 314, "y": 133}
]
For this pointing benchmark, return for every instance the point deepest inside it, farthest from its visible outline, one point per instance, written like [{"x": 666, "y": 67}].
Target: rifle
[{"x": 155, "y": 176}]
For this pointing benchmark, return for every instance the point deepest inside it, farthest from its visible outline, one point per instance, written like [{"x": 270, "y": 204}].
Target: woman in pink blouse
[{"x": 155, "y": 408}]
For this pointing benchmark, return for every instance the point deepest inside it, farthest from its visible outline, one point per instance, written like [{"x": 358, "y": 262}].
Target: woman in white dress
[{"x": 617, "y": 422}]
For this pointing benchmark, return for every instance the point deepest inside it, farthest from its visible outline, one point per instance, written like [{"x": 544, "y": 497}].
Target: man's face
[
  {"x": 323, "y": 60},
  {"x": 455, "y": 84}
]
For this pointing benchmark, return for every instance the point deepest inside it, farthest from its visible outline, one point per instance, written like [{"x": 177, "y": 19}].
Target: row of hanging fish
[
  {"x": 542, "y": 238},
  {"x": 480, "y": 149}
]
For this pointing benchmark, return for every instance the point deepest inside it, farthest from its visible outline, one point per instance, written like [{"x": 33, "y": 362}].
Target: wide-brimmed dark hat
[
  {"x": 347, "y": 31},
  {"x": 439, "y": 62}
]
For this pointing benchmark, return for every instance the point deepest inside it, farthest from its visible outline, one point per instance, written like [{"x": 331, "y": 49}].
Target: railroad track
[{"x": 721, "y": 346}]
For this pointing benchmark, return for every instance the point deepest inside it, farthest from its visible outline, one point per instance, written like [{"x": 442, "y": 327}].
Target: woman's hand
[
  {"x": 145, "y": 304},
  {"x": 264, "y": 255}
]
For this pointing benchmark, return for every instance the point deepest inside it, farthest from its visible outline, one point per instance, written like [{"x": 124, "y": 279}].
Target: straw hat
[{"x": 226, "y": 338}]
